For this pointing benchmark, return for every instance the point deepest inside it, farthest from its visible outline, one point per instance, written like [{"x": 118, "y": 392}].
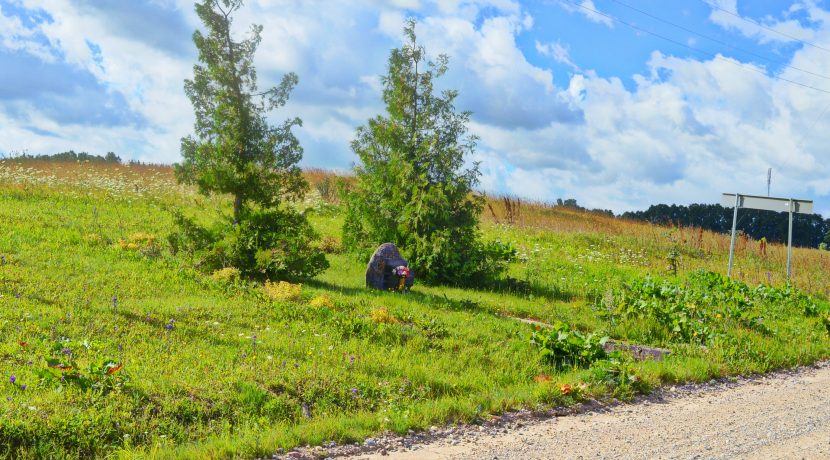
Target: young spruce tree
[
  {"x": 234, "y": 150},
  {"x": 412, "y": 188}
]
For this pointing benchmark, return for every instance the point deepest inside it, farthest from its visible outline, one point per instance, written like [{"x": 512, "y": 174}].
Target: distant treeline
[
  {"x": 571, "y": 203},
  {"x": 71, "y": 155},
  {"x": 809, "y": 230}
]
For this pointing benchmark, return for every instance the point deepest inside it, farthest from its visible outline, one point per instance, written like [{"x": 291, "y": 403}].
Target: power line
[
  {"x": 697, "y": 50},
  {"x": 724, "y": 43},
  {"x": 770, "y": 29}
]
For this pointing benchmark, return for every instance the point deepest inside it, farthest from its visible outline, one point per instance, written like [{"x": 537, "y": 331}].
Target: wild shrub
[
  {"x": 563, "y": 347},
  {"x": 265, "y": 244}
]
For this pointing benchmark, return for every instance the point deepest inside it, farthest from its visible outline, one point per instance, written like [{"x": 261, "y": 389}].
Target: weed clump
[
  {"x": 381, "y": 315},
  {"x": 562, "y": 347},
  {"x": 227, "y": 275},
  {"x": 93, "y": 238},
  {"x": 283, "y": 291},
  {"x": 619, "y": 376},
  {"x": 709, "y": 304},
  {"x": 321, "y": 301},
  {"x": 141, "y": 243},
  {"x": 331, "y": 245}
]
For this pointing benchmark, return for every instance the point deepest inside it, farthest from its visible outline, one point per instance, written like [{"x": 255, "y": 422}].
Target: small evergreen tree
[
  {"x": 235, "y": 151},
  {"x": 411, "y": 187}
]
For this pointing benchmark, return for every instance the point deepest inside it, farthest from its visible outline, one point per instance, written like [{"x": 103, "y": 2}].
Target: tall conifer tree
[
  {"x": 234, "y": 150},
  {"x": 412, "y": 187}
]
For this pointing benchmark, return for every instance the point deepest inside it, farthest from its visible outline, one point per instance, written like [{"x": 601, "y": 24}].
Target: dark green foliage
[
  {"x": 269, "y": 244},
  {"x": 235, "y": 151},
  {"x": 571, "y": 203},
  {"x": 808, "y": 230},
  {"x": 562, "y": 347},
  {"x": 411, "y": 187},
  {"x": 71, "y": 155}
]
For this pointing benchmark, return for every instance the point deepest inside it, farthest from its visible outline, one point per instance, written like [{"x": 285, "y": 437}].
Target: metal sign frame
[{"x": 789, "y": 205}]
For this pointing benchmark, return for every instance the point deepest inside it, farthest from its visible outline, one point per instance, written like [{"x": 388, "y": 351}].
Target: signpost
[{"x": 789, "y": 205}]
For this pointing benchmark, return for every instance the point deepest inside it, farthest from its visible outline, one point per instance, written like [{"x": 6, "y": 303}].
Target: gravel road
[{"x": 785, "y": 415}]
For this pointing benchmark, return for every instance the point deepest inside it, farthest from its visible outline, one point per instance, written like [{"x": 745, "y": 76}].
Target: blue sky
[{"x": 617, "y": 103}]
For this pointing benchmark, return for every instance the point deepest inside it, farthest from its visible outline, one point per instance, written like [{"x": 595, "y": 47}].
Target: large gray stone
[{"x": 379, "y": 272}]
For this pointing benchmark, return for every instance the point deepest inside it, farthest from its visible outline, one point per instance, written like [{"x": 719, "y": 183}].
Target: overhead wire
[
  {"x": 697, "y": 50},
  {"x": 790, "y": 37},
  {"x": 770, "y": 29},
  {"x": 722, "y": 42}
]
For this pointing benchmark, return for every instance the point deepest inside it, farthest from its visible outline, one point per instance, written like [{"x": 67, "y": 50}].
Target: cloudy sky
[{"x": 617, "y": 103}]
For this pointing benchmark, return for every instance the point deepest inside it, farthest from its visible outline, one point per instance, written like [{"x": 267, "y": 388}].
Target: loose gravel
[{"x": 780, "y": 415}]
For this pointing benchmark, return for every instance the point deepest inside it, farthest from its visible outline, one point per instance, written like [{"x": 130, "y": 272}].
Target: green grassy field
[{"x": 170, "y": 362}]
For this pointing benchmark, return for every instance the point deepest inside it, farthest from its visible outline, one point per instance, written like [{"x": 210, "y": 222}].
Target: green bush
[{"x": 266, "y": 244}]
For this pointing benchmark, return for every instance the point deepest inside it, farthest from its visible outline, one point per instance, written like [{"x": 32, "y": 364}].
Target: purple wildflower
[
  {"x": 16, "y": 295},
  {"x": 12, "y": 379},
  {"x": 23, "y": 387},
  {"x": 67, "y": 352},
  {"x": 351, "y": 359},
  {"x": 296, "y": 365},
  {"x": 354, "y": 392},
  {"x": 114, "y": 301}
]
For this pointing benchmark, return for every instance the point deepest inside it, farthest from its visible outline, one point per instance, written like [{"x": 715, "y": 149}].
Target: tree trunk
[
  {"x": 240, "y": 107},
  {"x": 237, "y": 208}
]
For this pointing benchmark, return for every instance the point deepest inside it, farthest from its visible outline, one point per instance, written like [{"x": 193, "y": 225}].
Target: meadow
[{"x": 112, "y": 346}]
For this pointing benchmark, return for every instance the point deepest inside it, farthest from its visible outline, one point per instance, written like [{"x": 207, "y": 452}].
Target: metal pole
[
  {"x": 790, "y": 243},
  {"x": 732, "y": 244}
]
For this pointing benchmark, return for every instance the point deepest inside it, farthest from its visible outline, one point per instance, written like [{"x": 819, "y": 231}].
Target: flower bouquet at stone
[
  {"x": 402, "y": 272},
  {"x": 388, "y": 271}
]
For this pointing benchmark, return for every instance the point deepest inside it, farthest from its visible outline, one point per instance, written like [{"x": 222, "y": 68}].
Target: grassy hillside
[{"x": 167, "y": 361}]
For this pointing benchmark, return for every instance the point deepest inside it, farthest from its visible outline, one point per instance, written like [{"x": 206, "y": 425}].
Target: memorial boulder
[{"x": 387, "y": 270}]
